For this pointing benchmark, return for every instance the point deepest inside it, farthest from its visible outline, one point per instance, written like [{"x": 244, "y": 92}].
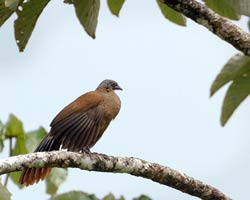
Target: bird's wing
[
  {"x": 77, "y": 126},
  {"x": 83, "y": 103}
]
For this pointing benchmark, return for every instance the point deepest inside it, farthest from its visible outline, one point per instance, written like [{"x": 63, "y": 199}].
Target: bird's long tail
[{"x": 33, "y": 175}]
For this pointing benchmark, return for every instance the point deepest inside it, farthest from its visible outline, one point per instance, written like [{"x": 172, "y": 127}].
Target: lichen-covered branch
[
  {"x": 220, "y": 26},
  {"x": 103, "y": 163}
]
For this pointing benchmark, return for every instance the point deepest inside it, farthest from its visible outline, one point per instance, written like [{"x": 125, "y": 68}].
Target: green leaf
[
  {"x": 4, "y": 193},
  {"x": 20, "y": 147},
  {"x": 55, "y": 179},
  {"x": 14, "y": 127},
  {"x": 74, "y": 195},
  {"x": 171, "y": 14},
  {"x": 33, "y": 138},
  {"x": 5, "y": 12},
  {"x": 28, "y": 14},
  {"x": 115, "y": 6},
  {"x": 14, "y": 176},
  {"x": 142, "y": 197},
  {"x": 12, "y": 4},
  {"x": 110, "y": 196},
  {"x": 226, "y": 8},
  {"x": 237, "y": 71},
  {"x": 87, "y": 12},
  {"x": 2, "y": 136},
  {"x": 236, "y": 93},
  {"x": 236, "y": 66},
  {"x": 244, "y": 7}
]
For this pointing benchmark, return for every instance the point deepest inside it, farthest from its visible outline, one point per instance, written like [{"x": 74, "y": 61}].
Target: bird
[{"x": 78, "y": 126}]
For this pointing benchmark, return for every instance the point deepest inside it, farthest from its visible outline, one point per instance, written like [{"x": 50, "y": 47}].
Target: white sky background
[{"x": 166, "y": 117}]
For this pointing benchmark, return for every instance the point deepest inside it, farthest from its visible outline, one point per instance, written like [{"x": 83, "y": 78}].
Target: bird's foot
[{"x": 85, "y": 150}]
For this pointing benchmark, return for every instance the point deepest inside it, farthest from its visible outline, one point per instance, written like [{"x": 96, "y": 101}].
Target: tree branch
[
  {"x": 220, "y": 26},
  {"x": 104, "y": 163}
]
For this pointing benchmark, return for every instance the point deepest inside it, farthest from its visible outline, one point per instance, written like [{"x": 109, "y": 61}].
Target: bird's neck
[{"x": 101, "y": 89}]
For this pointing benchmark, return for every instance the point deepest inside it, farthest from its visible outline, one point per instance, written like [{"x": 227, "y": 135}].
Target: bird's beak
[{"x": 118, "y": 88}]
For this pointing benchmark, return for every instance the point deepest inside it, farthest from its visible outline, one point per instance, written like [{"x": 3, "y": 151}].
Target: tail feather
[
  {"x": 34, "y": 175},
  {"x": 45, "y": 172},
  {"x": 37, "y": 176},
  {"x": 31, "y": 175}
]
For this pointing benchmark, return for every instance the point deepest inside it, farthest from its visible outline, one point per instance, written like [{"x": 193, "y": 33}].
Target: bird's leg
[{"x": 86, "y": 150}]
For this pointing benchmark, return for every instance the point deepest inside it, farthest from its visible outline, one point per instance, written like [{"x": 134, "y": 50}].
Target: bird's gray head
[{"x": 109, "y": 84}]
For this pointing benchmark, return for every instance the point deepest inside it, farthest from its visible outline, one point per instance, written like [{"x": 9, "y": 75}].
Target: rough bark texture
[
  {"x": 220, "y": 26},
  {"x": 103, "y": 163}
]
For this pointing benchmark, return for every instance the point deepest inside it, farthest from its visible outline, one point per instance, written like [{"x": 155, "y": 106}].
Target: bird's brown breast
[{"x": 112, "y": 105}]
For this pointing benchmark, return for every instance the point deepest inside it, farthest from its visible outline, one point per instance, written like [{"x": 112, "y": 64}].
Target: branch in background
[
  {"x": 220, "y": 26},
  {"x": 104, "y": 163}
]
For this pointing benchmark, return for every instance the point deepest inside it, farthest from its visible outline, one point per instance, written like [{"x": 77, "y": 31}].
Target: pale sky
[{"x": 166, "y": 117}]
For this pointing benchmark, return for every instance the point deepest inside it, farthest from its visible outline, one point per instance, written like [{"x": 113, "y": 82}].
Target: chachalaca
[{"x": 78, "y": 126}]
